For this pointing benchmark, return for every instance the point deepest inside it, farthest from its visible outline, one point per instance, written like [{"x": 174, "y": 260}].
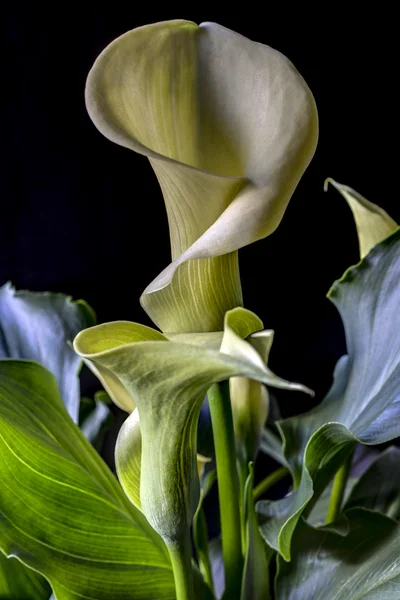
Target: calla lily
[
  {"x": 168, "y": 380},
  {"x": 229, "y": 127}
]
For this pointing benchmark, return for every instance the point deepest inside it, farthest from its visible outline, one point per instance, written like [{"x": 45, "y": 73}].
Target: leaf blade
[
  {"x": 38, "y": 326},
  {"x": 17, "y": 582},
  {"x": 78, "y": 529},
  {"x": 362, "y": 405},
  {"x": 364, "y": 564}
]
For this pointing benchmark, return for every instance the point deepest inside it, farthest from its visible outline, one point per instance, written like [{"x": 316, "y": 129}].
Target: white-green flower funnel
[{"x": 229, "y": 126}]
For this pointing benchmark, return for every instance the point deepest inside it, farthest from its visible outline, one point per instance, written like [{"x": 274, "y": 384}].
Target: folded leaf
[
  {"x": 38, "y": 326},
  {"x": 169, "y": 381},
  {"x": 17, "y": 582},
  {"x": 229, "y": 127},
  {"x": 364, "y": 564},
  {"x": 62, "y": 511},
  {"x": 363, "y": 403},
  {"x": 372, "y": 222}
]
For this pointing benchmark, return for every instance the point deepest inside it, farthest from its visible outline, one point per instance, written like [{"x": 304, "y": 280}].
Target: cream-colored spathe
[{"x": 229, "y": 127}]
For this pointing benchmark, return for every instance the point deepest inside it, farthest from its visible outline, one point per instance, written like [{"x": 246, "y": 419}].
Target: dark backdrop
[{"x": 73, "y": 218}]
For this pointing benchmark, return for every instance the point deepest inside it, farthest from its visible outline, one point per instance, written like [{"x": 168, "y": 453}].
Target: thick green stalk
[
  {"x": 269, "y": 481},
  {"x": 338, "y": 490},
  {"x": 228, "y": 486},
  {"x": 181, "y": 560}
]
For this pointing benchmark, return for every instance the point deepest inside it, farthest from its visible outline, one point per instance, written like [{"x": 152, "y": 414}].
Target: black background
[{"x": 85, "y": 217}]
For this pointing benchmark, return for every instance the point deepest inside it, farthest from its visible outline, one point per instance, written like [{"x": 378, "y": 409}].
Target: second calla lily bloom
[{"x": 229, "y": 127}]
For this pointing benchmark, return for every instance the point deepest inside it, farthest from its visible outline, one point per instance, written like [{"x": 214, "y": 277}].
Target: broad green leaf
[
  {"x": 229, "y": 127},
  {"x": 38, "y": 326},
  {"x": 362, "y": 565},
  {"x": 17, "y": 582},
  {"x": 372, "y": 222},
  {"x": 363, "y": 404},
  {"x": 168, "y": 381},
  {"x": 256, "y": 581},
  {"x": 379, "y": 487},
  {"x": 62, "y": 511}
]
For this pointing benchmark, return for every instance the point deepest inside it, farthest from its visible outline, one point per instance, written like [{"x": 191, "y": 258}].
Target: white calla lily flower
[{"x": 229, "y": 126}]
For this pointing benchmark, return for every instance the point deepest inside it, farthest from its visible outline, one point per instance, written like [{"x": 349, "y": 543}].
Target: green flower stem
[
  {"x": 269, "y": 481},
  {"x": 181, "y": 560},
  {"x": 338, "y": 490},
  {"x": 228, "y": 486},
  {"x": 200, "y": 534},
  {"x": 243, "y": 472}
]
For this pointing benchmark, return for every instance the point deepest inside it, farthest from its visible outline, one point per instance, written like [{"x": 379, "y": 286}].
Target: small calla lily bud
[
  {"x": 229, "y": 127},
  {"x": 250, "y": 403},
  {"x": 249, "y": 410}
]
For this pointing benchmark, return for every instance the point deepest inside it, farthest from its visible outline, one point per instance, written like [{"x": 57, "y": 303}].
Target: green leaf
[
  {"x": 62, "y": 511},
  {"x": 364, "y": 564},
  {"x": 19, "y": 583},
  {"x": 256, "y": 583},
  {"x": 229, "y": 127},
  {"x": 38, "y": 326},
  {"x": 379, "y": 487},
  {"x": 363, "y": 403},
  {"x": 168, "y": 381},
  {"x": 372, "y": 222},
  {"x": 362, "y": 459},
  {"x": 324, "y": 453}
]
